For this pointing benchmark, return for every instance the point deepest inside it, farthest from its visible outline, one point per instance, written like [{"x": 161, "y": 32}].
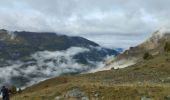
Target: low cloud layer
[
  {"x": 77, "y": 17},
  {"x": 44, "y": 65}
]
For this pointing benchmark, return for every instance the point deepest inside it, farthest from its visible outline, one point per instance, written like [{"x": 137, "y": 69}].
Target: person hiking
[{"x": 5, "y": 93}]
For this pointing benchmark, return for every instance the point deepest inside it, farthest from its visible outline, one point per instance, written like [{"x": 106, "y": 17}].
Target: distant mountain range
[{"x": 29, "y": 57}]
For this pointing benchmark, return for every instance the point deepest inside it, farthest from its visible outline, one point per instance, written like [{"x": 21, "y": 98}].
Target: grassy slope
[{"x": 150, "y": 78}]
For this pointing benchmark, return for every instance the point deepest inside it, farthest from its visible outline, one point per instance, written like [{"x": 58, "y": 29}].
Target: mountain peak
[
  {"x": 157, "y": 35},
  {"x": 155, "y": 40},
  {"x": 161, "y": 32},
  {"x": 3, "y": 30}
]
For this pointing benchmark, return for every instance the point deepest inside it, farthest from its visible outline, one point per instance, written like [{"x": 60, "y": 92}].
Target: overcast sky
[{"x": 111, "y": 23}]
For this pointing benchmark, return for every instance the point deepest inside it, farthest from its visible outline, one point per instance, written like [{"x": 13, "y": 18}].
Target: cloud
[
  {"x": 45, "y": 65},
  {"x": 77, "y": 17}
]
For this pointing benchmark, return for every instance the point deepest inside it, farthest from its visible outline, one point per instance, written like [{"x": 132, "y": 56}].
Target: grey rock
[
  {"x": 96, "y": 95},
  {"x": 84, "y": 98},
  {"x": 58, "y": 98},
  {"x": 146, "y": 98},
  {"x": 75, "y": 93}
]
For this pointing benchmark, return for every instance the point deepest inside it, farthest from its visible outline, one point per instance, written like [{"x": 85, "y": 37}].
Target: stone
[
  {"x": 58, "y": 98},
  {"x": 75, "y": 93},
  {"x": 146, "y": 98},
  {"x": 84, "y": 98}
]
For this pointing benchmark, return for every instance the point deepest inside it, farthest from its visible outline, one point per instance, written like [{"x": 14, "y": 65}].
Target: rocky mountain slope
[
  {"x": 29, "y": 57},
  {"x": 148, "y": 79},
  {"x": 154, "y": 45}
]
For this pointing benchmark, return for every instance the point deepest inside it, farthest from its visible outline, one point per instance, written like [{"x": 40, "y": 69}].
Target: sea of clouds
[{"x": 45, "y": 65}]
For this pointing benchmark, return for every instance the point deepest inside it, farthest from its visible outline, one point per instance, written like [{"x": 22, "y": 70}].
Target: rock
[
  {"x": 146, "y": 98},
  {"x": 84, "y": 98},
  {"x": 58, "y": 98},
  {"x": 96, "y": 95},
  {"x": 75, "y": 93}
]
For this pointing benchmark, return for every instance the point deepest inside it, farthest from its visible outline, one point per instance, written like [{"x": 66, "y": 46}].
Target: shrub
[
  {"x": 147, "y": 56},
  {"x": 13, "y": 89},
  {"x": 137, "y": 68},
  {"x": 167, "y": 47},
  {"x": 19, "y": 91}
]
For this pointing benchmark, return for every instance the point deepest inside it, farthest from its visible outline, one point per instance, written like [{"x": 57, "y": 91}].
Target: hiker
[{"x": 5, "y": 93}]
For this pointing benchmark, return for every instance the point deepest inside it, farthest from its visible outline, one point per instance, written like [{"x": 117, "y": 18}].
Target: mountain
[
  {"x": 154, "y": 45},
  {"x": 20, "y": 44},
  {"x": 120, "y": 50},
  {"x": 147, "y": 79},
  {"x": 29, "y": 57}
]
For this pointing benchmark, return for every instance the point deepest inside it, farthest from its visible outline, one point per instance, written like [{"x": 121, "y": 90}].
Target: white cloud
[
  {"x": 77, "y": 17},
  {"x": 46, "y": 64}
]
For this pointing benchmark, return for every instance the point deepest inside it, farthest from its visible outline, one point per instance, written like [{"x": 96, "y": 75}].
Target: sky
[{"x": 111, "y": 23}]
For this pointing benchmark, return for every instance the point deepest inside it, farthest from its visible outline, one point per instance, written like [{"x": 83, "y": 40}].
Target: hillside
[
  {"x": 148, "y": 79},
  {"x": 29, "y": 57},
  {"x": 154, "y": 45}
]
